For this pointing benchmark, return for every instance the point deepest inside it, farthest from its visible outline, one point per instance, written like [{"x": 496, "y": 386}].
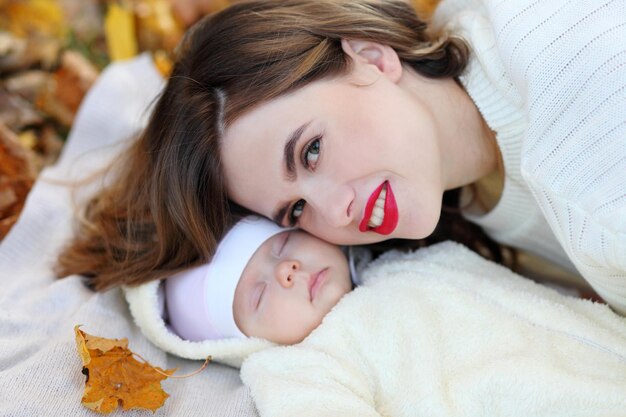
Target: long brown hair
[{"x": 168, "y": 207}]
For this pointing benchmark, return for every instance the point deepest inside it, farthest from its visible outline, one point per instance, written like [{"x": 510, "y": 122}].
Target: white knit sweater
[{"x": 550, "y": 78}]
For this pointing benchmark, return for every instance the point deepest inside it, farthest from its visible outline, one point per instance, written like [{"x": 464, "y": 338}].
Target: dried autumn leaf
[
  {"x": 65, "y": 89},
  {"x": 17, "y": 174},
  {"x": 119, "y": 28},
  {"x": 42, "y": 17},
  {"x": 115, "y": 377},
  {"x": 157, "y": 29},
  {"x": 163, "y": 63},
  {"x": 16, "y": 112},
  {"x": 73, "y": 79},
  {"x": 15, "y": 160},
  {"x": 27, "y": 84},
  {"x": 17, "y": 54},
  {"x": 425, "y": 8}
]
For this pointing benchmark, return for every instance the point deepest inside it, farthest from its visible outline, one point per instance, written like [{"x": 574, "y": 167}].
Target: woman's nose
[
  {"x": 333, "y": 203},
  {"x": 286, "y": 272}
]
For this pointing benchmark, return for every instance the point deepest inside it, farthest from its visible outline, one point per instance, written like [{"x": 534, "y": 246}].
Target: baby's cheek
[{"x": 300, "y": 324}]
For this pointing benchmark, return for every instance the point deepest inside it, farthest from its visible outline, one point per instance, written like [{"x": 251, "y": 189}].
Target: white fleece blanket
[
  {"x": 40, "y": 370},
  {"x": 442, "y": 332}
]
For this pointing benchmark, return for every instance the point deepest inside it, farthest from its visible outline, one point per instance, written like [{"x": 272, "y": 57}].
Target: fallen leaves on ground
[
  {"x": 115, "y": 377},
  {"x": 51, "y": 52},
  {"x": 17, "y": 174},
  {"x": 34, "y": 16}
]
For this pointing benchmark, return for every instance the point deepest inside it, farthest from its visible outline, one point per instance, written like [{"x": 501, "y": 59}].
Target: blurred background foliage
[{"x": 51, "y": 52}]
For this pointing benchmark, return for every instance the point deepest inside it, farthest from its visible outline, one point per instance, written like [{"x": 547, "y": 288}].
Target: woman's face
[{"x": 351, "y": 160}]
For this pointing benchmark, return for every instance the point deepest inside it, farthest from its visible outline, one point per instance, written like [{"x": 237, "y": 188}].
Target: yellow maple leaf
[
  {"x": 119, "y": 29},
  {"x": 163, "y": 63},
  {"x": 156, "y": 26},
  {"x": 43, "y": 17},
  {"x": 425, "y": 8},
  {"x": 115, "y": 377}
]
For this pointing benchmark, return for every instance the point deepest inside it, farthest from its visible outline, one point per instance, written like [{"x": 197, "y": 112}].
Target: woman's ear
[{"x": 383, "y": 57}]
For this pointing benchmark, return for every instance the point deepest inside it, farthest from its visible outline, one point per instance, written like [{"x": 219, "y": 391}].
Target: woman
[{"x": 351, "y": 120}]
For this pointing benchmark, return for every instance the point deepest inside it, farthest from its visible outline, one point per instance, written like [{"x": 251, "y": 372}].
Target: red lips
[{"x": 391, "y": 212}]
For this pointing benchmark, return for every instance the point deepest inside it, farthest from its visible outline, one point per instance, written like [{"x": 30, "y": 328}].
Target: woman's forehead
[
  {"x": 297, "y": 103},
  {"x": 250, "y": 145},
  {"x": 252, "y": 166}
]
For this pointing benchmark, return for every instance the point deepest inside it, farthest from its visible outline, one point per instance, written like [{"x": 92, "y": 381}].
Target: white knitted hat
[{"x": 199, "y": 301}]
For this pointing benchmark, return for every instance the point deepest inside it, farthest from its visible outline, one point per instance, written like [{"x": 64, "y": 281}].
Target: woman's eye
[
  {"x": 312, "y": 153},
  {"x": 296, "y": 211}
]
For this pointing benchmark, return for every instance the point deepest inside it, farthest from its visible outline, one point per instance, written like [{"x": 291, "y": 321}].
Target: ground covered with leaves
[{"x": 51, "y": 52}]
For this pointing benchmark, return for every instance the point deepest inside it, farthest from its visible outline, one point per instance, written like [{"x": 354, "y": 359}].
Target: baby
[
  {"x": 418, "y": 336},
  {"x": 264, "y": 281}
]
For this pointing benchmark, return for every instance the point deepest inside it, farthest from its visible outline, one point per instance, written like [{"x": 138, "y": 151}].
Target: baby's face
[{"x": 288, "y": 286}]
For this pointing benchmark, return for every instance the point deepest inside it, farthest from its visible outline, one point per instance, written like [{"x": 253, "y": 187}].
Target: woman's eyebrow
[{"x": 289, "y": 159}]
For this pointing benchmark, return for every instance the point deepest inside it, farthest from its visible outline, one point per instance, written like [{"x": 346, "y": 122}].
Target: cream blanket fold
[
  {"x": 443, "y": 332},
  {"x": 145, "y": 304},
  {"x": 40, "y": 369}
]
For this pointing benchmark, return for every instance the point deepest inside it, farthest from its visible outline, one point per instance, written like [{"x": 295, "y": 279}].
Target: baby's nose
[{"x": 286, "y": 272}]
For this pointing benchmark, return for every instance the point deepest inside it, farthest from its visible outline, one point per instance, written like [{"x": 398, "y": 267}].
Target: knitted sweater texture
[{"x": 549, "y": 77}]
